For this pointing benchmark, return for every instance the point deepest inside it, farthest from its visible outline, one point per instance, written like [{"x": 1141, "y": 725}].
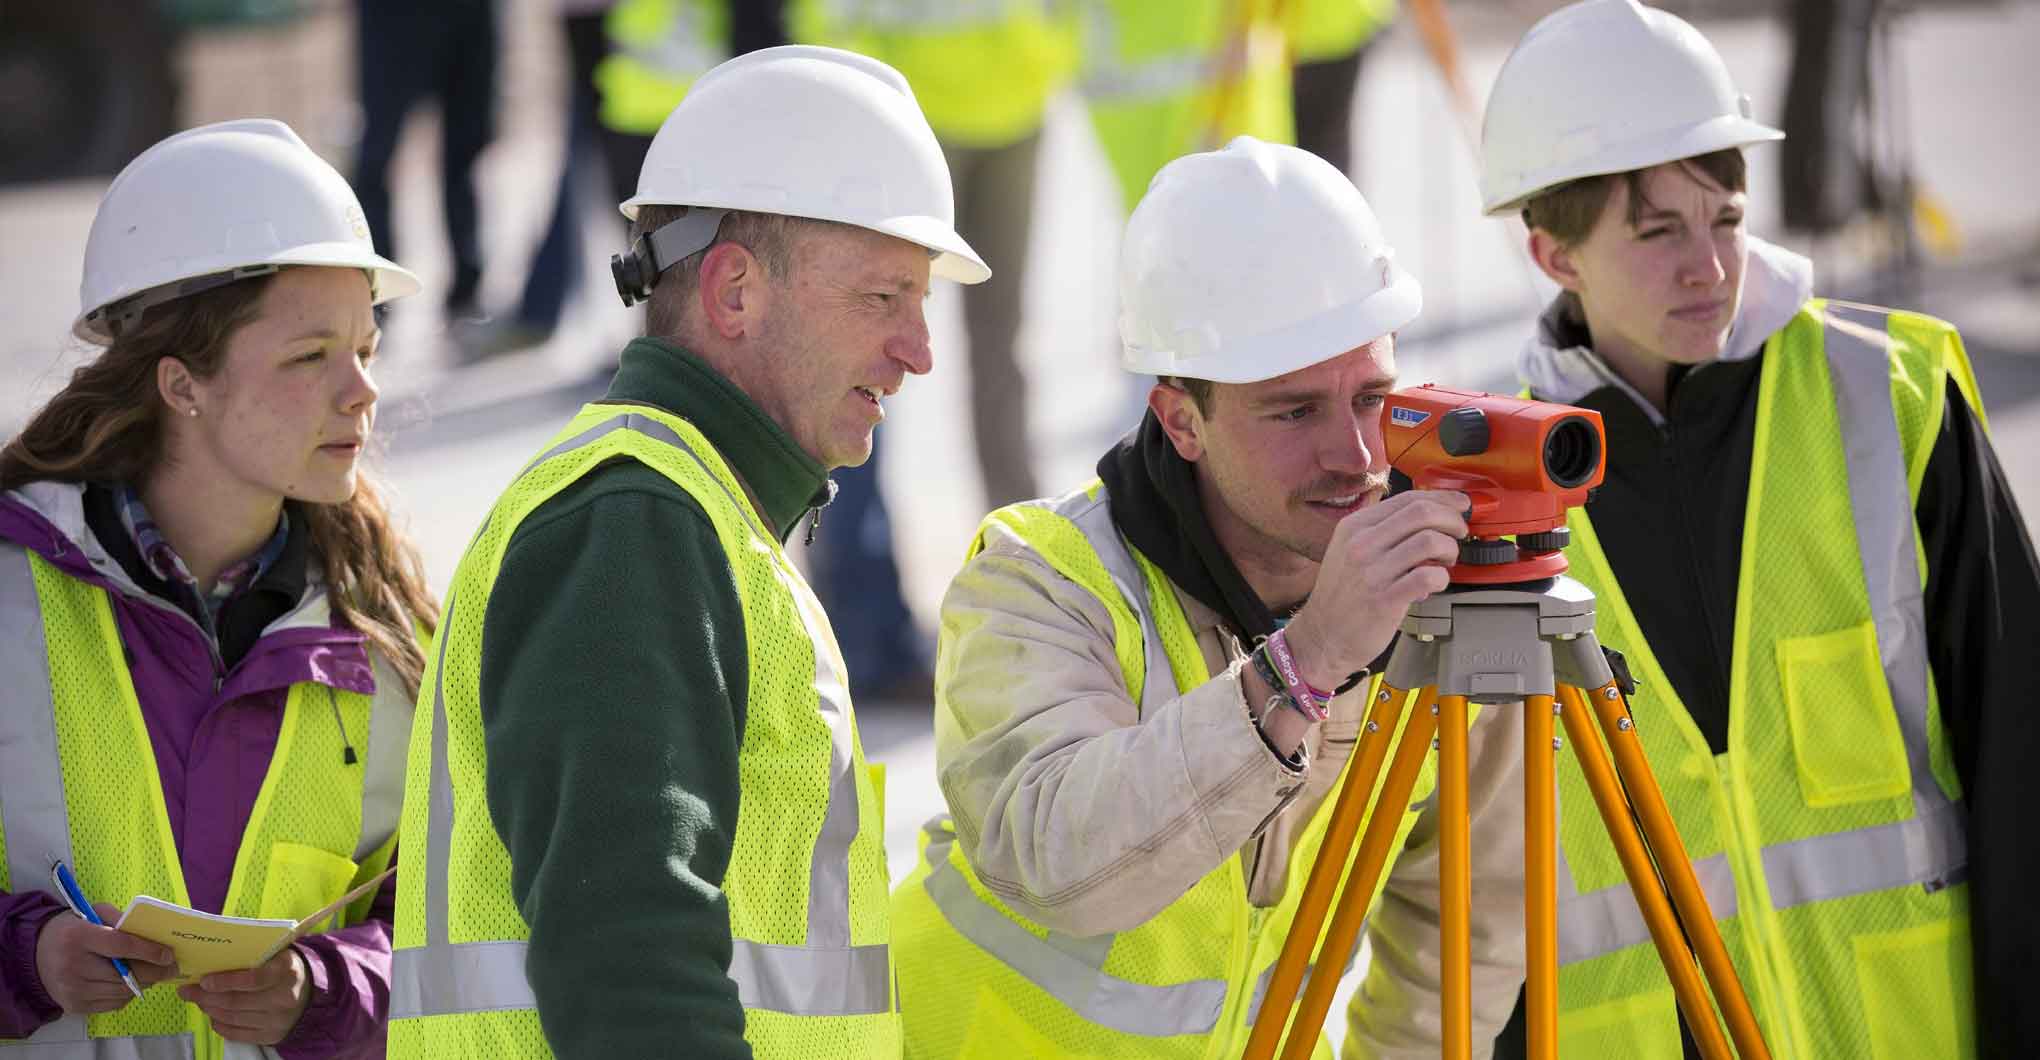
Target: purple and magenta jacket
[{"x": 222, "y": 727}]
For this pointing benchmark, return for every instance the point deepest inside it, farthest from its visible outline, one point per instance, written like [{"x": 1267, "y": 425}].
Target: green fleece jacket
[{"x": 613, "y": 689}]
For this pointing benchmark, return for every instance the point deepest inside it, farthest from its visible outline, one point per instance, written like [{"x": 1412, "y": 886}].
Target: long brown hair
[{"x": 106, "y": 426}]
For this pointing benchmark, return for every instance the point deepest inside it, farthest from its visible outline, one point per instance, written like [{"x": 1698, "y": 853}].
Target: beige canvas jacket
[{"x": 1088, "y": 818}]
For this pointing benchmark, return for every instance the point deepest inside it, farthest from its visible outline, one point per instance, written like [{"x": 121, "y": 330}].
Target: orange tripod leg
[
  {"x": 1455, "y": 881},
  {"x": 1334, "y": 854},
  {"x": 1540, "y": 879},
  {"x": 1656, "y": 819},
  {"x": 1643, "y": 879},
  {"x": 1382, "y": 827}
]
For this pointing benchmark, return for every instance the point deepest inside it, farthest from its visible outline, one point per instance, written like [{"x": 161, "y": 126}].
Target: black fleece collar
[{"x": 1154, "y": 501}]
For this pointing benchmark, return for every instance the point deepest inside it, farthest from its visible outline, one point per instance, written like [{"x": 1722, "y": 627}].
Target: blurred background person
[
  {"x": 1826, "y": 177},
  {"x": 407, "y": 53},
  {"x": 1327, "y": 39},
  {"x": 1163, "y": 80},
  {"x": 984, "y": 74},
  {"x": 655, "y": 50},
  {"x": 558, "y": 268}
]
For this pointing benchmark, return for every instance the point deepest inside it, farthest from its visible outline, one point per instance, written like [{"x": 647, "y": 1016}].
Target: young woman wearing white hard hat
[
  {"x": 1805, "y": 547},
  {"x": 207, "y": 622}
]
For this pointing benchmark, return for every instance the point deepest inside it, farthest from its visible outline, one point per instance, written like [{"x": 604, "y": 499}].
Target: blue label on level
[{"x": 1403, "y": 417}]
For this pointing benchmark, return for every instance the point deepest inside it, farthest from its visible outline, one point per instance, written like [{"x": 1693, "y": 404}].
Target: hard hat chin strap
[{"x": 637, "y": 270}]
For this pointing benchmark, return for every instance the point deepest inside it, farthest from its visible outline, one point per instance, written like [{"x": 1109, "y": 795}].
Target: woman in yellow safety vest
[
  {"x": 1805, "y": 548},
  {"x": 208, "y": 623}
]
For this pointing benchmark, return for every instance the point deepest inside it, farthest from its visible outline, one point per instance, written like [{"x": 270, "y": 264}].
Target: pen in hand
[{"x": 67, "y": 888}]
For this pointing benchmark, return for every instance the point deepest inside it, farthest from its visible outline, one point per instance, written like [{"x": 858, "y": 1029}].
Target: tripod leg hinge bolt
[
  {"x": 1557, "y": 708},
  {"x": 1611, "y": 693},
  {"x": 1556, "y": 743},
  {"x": 1373, "y": 726},
  {"x": 1434, "y": 743},
  {"x": 1434, "y": 710},
  {"x": 1624, "y": 724}
]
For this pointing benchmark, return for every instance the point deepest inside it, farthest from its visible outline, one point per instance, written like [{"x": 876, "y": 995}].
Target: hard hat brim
[
  {"x": 954, "y": 258},
  {"x": 1714, "y": 134},
  {"x": 1300, "y": 345},
  {"x": 391, "y": 280}
]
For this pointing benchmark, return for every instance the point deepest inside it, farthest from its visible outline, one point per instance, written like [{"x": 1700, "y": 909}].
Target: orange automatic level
[{"x": 1522, "y": 463}]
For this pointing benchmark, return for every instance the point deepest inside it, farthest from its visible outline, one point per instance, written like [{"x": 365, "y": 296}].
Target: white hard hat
[
  {"x": 1606, "y": 86},
  {"x": 216, "y": 203},
  {"x": 814, "y": 132},
  {"x": 1248, "y": 263}
]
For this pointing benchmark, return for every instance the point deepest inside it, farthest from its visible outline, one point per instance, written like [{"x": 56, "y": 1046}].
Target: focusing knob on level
[
  {"x": 1547, "y": 541},
  {"x": 1464, "y": 432},
  {"x": 1484, "y": 552}
]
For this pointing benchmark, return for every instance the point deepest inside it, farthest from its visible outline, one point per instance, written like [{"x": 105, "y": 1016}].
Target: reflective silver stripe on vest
[
  {"x": 925, "y": 16},
  {"x": 1108, "y": 79},
  {"x": 1065, "y": 967},
  {"x": 1093, "y": 516},
  {"x": 682, "y": 53},
  {"x": 382, "y": 779},
  {"x": 810, "y": 980},
  {"x": 151, "y": 1047},
  {"x": 432, "y": 980},
  {"x": 34, "y": 816},
  {"x": 829, "y": 977},
  {"x": 441, "y": 977},
  {"x": 1608, "y": 919},
  {"x": 1159, "y": 78},
  {"x": 1268, "y": 974},
  {"x": 1928, "y": 849}
]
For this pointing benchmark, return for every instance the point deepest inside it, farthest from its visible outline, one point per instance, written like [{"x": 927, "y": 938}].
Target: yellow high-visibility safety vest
[
  {"x": 983, "y": 70},
  {"x": 1152, "y": 80},
  {"x": 979, "y": 980},
  {"x": 81, "y": 785},
  {"x": 1829, "y": 836},
  {"x": 809, "y": 954}
]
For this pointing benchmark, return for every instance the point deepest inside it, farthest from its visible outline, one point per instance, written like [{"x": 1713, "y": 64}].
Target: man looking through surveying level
[
  {"x": 1805, "y": 547},
  {"x": 1134, "y": 803}
]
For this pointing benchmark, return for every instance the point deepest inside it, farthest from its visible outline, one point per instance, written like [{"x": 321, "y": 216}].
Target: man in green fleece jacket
[{"x": 641, "y": 820}]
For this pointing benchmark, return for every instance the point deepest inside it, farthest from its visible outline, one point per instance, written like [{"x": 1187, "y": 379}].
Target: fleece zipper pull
[{"x": 822, "y": 499}]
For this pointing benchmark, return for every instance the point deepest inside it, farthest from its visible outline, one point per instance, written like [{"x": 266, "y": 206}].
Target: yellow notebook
[{"x": 207, "y": 942}]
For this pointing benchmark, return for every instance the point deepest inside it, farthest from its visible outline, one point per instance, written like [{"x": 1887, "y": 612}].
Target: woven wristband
[
  {"x": 1311, "y": 700},
  {"x": 1259, "y": 659}
]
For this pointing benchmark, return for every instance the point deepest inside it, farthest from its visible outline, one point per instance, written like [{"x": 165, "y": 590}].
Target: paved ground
[{"x": 454, "y": 436}]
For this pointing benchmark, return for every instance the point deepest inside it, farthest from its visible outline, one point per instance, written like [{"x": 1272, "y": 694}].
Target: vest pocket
[
  {"x": 302, "y": 879},
  {"x": 1845, "y": 736},
  {"x": 1916, "y": 992},
  {"x": 1639, "y": 1027}
]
